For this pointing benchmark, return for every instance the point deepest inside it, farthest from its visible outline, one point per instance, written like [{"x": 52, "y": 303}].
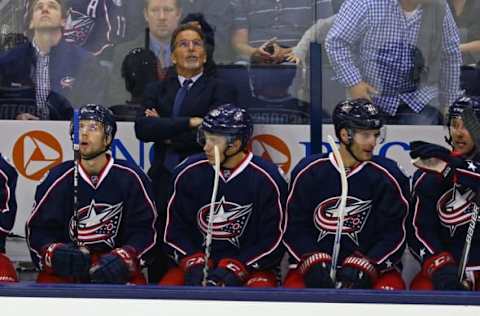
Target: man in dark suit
[{"x": 174, "y": 108}]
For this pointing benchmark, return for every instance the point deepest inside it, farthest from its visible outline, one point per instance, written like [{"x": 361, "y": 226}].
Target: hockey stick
[
  {"x": 341, "y": 211},
  {"x": 208, "y": 238},
  {"x": 76, "y": 161},
  {"x": 473, "y": 126}
]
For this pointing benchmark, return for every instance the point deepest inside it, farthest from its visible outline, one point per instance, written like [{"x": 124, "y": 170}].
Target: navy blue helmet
[
  {"x": 229, "y": 120},
  {"x": 456, "y": 109},
  {"x": 99, "y": 113},
  {"x": 356, "y": 114}
]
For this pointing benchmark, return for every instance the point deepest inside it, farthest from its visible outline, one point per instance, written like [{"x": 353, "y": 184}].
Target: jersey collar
[
  {"x": 102, "y": 175},
  {"x": 238, "y": 169},
  {"x": 352, "y": 170}
]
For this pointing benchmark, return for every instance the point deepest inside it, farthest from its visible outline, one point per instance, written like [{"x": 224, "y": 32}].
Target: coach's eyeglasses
[{"x": 185, "y": 44}]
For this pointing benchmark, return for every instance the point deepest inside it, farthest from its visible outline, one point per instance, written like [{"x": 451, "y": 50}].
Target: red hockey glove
[
  {"x": 7, "y": 270},
  {"x": 193, "y": 267},
  {"x": 315, "y": 269},
  {"x": 229, "y": 272},
  {"x": 66, "y": 260},
  {"x": 358, "y": 272},
  {"x": 116, "y": 267},
  {"x": 442, "y": 270}
]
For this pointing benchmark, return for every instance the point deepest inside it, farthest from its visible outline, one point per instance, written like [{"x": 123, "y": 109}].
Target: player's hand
[
  {"x": 442, "y": 270},
  {"x": 115, "y": 267},
  {"x": 193, "y": 266},
  {"x": 315, "y": 269},
  {"x": 195, "y": 122},
  {"x": 433, "y": 157},
  {"x": 151, "y": 113},
  {"x": 362, "y": 90},
  {"x": 357, "y": 272},
  {"x": 66, "y": 260},
  {"x": 229, "y": 272},
  {"x": 292, "y": 58}
]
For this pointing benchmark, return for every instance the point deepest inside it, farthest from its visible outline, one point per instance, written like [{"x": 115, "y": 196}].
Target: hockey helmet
[
  {"x": 457, "y": 107},
  {"x": 228, "y": 120},
  {"x": 356, "y": 114},
  {"x": 99, "y": 113}
]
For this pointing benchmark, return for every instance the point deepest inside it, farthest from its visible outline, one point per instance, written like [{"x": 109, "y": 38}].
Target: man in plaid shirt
[{"x": 402, "y": 54}]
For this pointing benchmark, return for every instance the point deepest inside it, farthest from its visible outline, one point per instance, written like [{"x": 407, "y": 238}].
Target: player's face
[
  {"x": 46, "y": 14},
  {"x": 92, "y": 138},
  {"x": 212, "y": 140},
  {"x": 461, "y": 139},
  {"x": 162, "y": 17},
  {"x": 189, "y": 54},
  {"x": 364, "y": 142}
]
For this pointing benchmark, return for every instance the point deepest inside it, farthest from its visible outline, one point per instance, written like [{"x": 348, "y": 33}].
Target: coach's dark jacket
[{"x": 205, "y": 93}]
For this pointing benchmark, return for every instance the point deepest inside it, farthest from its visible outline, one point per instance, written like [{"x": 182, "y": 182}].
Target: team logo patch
[
  {"x": 78, "y": 27},
  {"x": 67, "y": 82},
  {"x": 455, "y": 208},
  {"x": 229, "y": 220},
  {"x": 98, "y": 223},
  {"x": 356, "y": 213}
]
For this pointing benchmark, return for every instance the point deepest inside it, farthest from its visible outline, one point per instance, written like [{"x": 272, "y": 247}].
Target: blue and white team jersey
[
  {"x": 115, "y": 209},
  {"x": 442, "y": 211},
  {"x": 375, "y": 213},
  {"x": 248, "y": 212},
  {"x": 8, "y": 203}
]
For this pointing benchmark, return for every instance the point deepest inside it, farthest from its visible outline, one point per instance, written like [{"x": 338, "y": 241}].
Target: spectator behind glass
[
  {"x": 54, "y": 69},
  {"x": 174, "y": 108},
  {"x": 197, "y": 19},
  {"x": 162, "y": 17},
  {"x": 219, "y": 15},
  {"x": 98, "y": 25},
  {"x": 265, "y": 30},
  {"x": 413, "y": 72},
  {"x": 465, "y": 13}
]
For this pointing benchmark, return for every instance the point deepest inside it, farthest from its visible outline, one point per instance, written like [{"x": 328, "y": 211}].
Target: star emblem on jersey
[
  {"x": 455, "y": 208},
  {"x": 98, "y": 223},
  {"x": 78, "y": 27},
  {"x": 229, "y": 220},
  {"x": 356, "y": 214},
  {"x": 471, "y": 166}
]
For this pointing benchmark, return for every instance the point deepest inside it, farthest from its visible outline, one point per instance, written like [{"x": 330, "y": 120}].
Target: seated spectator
[
  {"x": 402, "y": 55},
  {"x": 174, "y": 108},
  {"x": 265, "y": 30},
  {"x": 465, "y": 13},
  {"x": 162, "y": 17},
  {"x": 98, "y": 25},
  {"x": 54, "y": 68}
]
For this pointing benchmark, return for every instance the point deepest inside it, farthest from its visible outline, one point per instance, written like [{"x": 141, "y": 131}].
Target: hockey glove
[
  {"x": 315, "y": 269},
  {"x": 433, "y": 157},
  {"x": 357, "y": 272},
  {"x": 193, "y": 266},
  {"x": 115, "y": 267},
  {"x": 66, "y": 260},
  {"x": 442, "y": 270},
  {"x": 229, "y": 272}
]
